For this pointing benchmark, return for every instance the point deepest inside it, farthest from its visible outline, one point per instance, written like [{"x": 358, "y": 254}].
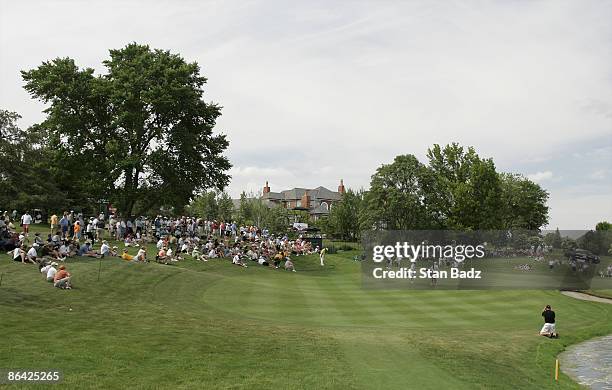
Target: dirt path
[{"x": 586, "y": 297}]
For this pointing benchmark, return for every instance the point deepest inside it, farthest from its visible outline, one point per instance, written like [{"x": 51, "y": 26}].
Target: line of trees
[{"x": 455, "y": 190}]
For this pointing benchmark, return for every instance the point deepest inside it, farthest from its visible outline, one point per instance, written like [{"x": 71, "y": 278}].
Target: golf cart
[
  {"x": 582, "y": 255},
  {"x": 38, "y": 216}
]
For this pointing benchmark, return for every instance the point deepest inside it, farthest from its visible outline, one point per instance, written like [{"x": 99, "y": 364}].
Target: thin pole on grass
[{"x": 557, "y": 369}]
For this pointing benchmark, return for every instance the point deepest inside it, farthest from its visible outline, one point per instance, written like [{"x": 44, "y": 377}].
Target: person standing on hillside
[
  {"x": 26, "y": 221},
  {"x": 77, "y": 231},
  {"x": 549, "y": 328},
  {"x": 322, "y": 256},
  {"x": 54, "y": 221}
]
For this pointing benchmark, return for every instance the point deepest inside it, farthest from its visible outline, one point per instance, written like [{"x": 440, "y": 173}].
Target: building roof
[
  {"x": 319, "y": 193},
  {"x": 324, "y": 194},
  {"x": 273, "y": 195}
]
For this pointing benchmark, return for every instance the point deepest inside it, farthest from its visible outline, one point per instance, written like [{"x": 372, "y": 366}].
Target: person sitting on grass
[
  {"x": 129, "y": 241},
  {"x": 49, "y": 271},
  {"x": 87, "y": 251},
  {"x": 62, "y": 278},
  {"x": 32, "y": 254},
  {"x": 49, "y": 251},
  {"x": 263, "y": 261},
  {"x": 162, "y": 256},
  {"x": 212, "y": 254},
  {"x": 38, "y": 240},
  {"x": 126, "y": 256},
  {"x": 64, "y": 250},
  {"x": 238, "y": 261},
  {"x": 105, "y": 249},
  {"x": 142, "y": 254},
  {"x": 289, "y": 265},
  {"x": 195, "y": 253},
  {"x": 171, "y": 256},
  {"x": 19, "y": 254},
  {"x": 549, "y": 329}
]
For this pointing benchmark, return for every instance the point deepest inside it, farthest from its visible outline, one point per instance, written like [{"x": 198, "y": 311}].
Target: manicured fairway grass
[{"x": 214, "y": 325}]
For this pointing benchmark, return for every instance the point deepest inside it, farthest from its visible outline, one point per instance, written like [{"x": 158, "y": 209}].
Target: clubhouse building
[{"x": 317, "y": 201}]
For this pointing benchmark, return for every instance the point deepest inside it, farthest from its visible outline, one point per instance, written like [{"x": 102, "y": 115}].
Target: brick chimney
[
  {"x": 266, "y": 188},
  {"x": 306, "y": 200},
  {"x": 341, "y": 187}
]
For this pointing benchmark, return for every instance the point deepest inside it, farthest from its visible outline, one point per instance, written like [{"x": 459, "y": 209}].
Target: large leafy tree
[
  {"x": 343, "y": 220},
  {"x": 27, "y": 177},
  {"x": 401, "y": 196},
  {"x": 204, "y": 206},
  {"x": 523, "y": 203},
  {"x": 467, "y": 188},
  {"x": 139, "y": 134},
  {"x": 603, "y": 226}
]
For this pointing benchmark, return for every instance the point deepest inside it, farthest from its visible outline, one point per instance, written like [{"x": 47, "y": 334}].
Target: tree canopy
[
  {"x": 139, "y": 134},
  {"x": 456, "y": 190}
]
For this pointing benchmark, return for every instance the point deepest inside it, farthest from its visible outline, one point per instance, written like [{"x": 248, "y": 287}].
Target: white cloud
[
  {"x": 599, "y": 174},
  {"x": 539, "y": 177}
]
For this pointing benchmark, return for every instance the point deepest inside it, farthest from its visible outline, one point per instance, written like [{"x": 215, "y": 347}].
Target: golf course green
[{"x": 215, "y": 325}]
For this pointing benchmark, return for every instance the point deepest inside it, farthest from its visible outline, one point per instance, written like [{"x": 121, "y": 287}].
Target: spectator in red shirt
[{"x": 62, "y": 278}]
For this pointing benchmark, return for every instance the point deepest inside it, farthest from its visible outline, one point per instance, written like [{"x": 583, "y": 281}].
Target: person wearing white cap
[
  {"x": 49, "y": 271},
  {"x": 105, "y": 249},
  {"x": 32, "y": 254}
]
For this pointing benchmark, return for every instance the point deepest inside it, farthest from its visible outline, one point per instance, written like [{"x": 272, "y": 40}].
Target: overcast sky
[{"x": 316, "y": 91}]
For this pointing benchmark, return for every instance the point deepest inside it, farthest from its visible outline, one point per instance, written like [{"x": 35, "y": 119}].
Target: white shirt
[
  {"x": 104, "y": 249},
  {"x": 160, "y": 244},
  {"x": 236, "y": 259},
  {"x": 141, "y": 254},
  {"x": 63, "y": 249},
  {"x": 26, "y": 219},
  {"x": 44, "y": 269},
  {"x": 51, "y": 273},
  {"x": 32, "y": 252},
  {"x": 16, "y": 253},
  {"x": 261, "y": 261}
]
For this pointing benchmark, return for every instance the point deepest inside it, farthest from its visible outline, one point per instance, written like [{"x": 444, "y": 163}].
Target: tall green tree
[
  {"x": 401, "y": 196},
  {"x": 28, "y": 179},
  {"x": 226, "y": 207},
  {"x": 467, "y": 188},
  {"x": 139, "y": 132},
  {"x": 603, "y": 226},
  {"x": 343, "y": 220},
  {"x": 204, "y": 206},
  {"x": 523, "y": 203}
]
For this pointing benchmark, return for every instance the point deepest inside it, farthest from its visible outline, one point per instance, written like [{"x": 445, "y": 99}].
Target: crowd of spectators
[{"x": 175, "y": 239}]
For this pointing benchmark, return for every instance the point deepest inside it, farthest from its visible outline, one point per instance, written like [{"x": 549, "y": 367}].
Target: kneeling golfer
[{"x": 549, "y": 329}]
